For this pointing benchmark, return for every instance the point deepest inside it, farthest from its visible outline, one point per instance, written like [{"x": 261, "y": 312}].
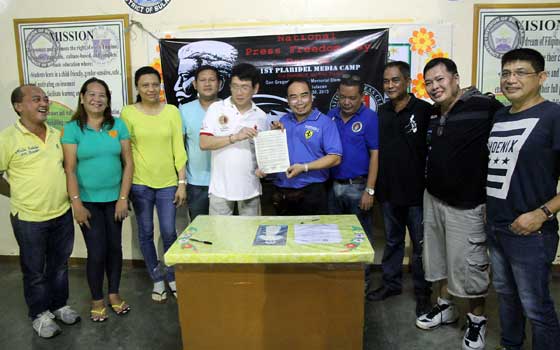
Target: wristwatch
[
  {"x": 369, "y": 191},
  {"x": 547, "y": 212}
]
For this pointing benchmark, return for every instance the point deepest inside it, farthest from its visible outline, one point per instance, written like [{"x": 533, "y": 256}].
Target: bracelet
[
  {"x": 123, "y": 198},
  {"x": 73, "y": 198},
  {"x": 182, "y": 181},
  {"x": 306, "y": 167},
  {"x": 230, "y": 139}
]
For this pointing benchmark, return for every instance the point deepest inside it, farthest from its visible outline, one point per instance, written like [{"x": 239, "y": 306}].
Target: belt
[{"x": 356, "y": 180}]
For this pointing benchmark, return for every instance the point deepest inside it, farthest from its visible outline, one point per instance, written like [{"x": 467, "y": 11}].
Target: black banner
[{"x": 321, "y": 57}]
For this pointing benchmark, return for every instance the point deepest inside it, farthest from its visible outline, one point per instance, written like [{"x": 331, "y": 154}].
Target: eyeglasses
[
  {"x": 441, "y": 125},
  {"x": 520, "y": 74},
  {"x": 304, "y": 97},
  {"x": 242, "y": 88}
]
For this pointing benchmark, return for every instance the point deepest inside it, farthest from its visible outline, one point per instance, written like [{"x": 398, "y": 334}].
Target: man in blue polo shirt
[
  {"x": 314, "y": 146},
  {"x": 207, "y": 82},
  {"x": 354, "y": 178}
]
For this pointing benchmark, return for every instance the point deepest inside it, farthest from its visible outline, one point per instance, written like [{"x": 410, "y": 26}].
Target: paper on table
[
  {"x": 271, "y": 148},
  {"x": 317, "y": 233}
]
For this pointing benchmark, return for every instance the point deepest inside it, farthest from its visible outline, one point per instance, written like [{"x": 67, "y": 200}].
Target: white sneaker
[
  {"x": 44, "y": 325},
  {"x": 442, "y": 313},
  {"x": 67, "y": 315},
  {"x": 475, "y": 334}
]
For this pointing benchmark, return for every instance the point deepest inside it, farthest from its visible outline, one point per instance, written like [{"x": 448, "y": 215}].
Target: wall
[{"x": 229, "y": 17}]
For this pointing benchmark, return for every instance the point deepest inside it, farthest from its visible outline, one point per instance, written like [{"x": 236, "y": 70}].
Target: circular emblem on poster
[
  {"x": 502, "y": 34},
  {"x": 41, "y": 47},
  {"x": 372, "y": 98},
  {"x": 147, "y": 7}
]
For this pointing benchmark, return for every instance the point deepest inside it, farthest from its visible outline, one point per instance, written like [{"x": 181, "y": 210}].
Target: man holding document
[
  {"x": 313, "y": 146},
  {"x": 228, "y": 130}
]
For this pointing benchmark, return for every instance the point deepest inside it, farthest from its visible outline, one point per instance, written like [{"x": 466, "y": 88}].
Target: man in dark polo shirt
[
  {"x": 455, "y": 251},
  {"x": 354, "y": 178},
  {"x": 403, "y": 122}
]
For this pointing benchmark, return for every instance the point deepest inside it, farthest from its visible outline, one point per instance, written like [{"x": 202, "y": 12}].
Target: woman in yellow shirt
[{"x": 159, "y": 172}]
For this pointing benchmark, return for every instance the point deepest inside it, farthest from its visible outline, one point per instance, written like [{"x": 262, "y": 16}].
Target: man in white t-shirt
[{"x": 227, "y": 130}]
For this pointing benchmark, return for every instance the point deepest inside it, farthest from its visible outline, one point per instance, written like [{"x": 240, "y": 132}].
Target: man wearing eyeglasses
[
  {"x": 455, "y": 251},
  {"x": 227, "y": 130},
  {"x": 314, "y": 147},
  {"x": 523, "y": 201},
  {"x": 403, "y": 123},
  {"x": 354, "y": 178}
]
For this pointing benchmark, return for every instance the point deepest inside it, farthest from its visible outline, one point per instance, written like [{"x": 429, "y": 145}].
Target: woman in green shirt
[
  {"x": 159, "y": 177},
  {"x": 98, "y": 166}
]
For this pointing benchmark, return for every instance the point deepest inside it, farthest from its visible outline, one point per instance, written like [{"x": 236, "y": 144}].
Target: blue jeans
[
  {"x": 396, "y": 219},
  {"x": 143, "y": 200},
  {"x": 345, "y": 199},
  {"x": 197, "y": 197},
  {"x": 521, "y": 271},
  {"x": 44, "y": 250}
]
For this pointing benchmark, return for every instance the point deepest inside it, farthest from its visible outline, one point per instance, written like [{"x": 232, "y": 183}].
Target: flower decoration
[
  {"x": 437, "y": 54},
  {"x": 422, "y": 41},
  {"x": 419, "y": 87}
]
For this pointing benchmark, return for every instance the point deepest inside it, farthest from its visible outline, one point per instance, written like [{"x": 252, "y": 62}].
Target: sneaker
[
  {"x": 475, "y": 333},
  {"x": 442, "y": 313},
  {"x": 67, "y": 315},
  {"x": 44, "y": 325}
]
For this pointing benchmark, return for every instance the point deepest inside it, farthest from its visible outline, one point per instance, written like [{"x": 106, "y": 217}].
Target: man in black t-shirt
[
  {"x": 403, "y": 121},
  {"x": 522, "y": 201},
  {"x": 455, "y": 252}
]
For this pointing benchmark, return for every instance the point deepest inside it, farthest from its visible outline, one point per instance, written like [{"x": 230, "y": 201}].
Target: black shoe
[
  {"x": 382, "y": 293},
  {"x": 423, "y": 305}
]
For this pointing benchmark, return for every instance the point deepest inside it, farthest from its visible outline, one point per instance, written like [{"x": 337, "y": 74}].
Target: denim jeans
[
  {"x": 197, "y": 198},
  {"x": 397, "y": 219},
  {"x": 104, "y": 248},
  {"x": 143, "y": 200},
  {"x": 44, "y": 250},
  {"x": 345, "y": 199},
  {"x": 521, "y": 272}
]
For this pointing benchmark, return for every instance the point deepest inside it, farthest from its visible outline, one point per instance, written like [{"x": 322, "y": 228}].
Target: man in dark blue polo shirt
[
  {"x": 314, "y": 146},
  {"x": 354, "y": 178},
  {"x": 403, "y": 124}
]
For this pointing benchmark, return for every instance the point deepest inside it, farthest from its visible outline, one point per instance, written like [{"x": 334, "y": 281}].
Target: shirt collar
[
  {"x": 358, "y": 112},
  {"x": 231, "y": 105}
]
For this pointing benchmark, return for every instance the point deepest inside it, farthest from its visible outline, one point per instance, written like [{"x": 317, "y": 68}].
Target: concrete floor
[{"x": 389, "y": 324}]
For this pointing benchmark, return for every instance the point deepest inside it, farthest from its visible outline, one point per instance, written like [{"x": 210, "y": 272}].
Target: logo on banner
[
  {"x": 147, "y": 7},
  {"x": 372, "y": 98},
  {"x": 308, "y": 134},
  {"x": 357, "y": 127},
  {"x": 502, "y": 34}
]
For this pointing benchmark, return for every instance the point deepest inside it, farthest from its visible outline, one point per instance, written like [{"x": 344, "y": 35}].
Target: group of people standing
[
  {"x": 463, "y": 175},
  {"x": 90, "y": 169}
]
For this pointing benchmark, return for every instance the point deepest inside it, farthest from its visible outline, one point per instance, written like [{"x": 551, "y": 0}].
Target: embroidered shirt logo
[{"x": 357, "y": 127}]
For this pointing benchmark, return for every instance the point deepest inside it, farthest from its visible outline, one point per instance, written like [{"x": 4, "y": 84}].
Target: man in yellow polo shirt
[{"x": 31, "y": 157}]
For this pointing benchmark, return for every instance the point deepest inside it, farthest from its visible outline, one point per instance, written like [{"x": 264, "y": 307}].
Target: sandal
[
  {"x": 98, "y": 315},
  {"x": 120, "y": 309},
  {"x": 159, "y": 298}
]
